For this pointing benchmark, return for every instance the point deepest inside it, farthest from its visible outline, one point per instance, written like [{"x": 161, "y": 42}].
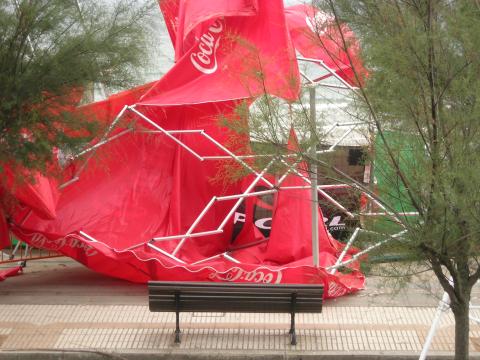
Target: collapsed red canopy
[
  {"x": 143, "y": 185},
  {"x": 317, "y": 36}
]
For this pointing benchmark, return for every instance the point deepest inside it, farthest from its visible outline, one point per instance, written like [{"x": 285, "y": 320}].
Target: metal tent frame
[{"x": 259, "y": 176}]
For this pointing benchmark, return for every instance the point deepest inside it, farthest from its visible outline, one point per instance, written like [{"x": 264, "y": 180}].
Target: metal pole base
[{"x": 294, "y": 338}]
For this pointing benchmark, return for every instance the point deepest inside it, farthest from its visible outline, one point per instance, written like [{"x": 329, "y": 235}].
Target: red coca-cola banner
[
  {"x": 143, "y": 264},
  {"x": 184, "y": 18},
  {"x": 127, "y": 213},
  {"x": 233, "y": 57}
]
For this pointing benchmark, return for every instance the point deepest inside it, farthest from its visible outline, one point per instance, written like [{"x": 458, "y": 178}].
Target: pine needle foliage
[{"x": 52, "y": 52}]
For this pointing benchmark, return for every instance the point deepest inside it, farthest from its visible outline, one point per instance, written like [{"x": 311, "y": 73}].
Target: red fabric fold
[
  {"x": 144, "y": 185},
  {"x": 316, "y": 36},
  {"x": 4, "y": 231},
  {"x": 235, "y": 57},
  {"x": 4, "y": 273},
  {"x": 183, "y": 17}
]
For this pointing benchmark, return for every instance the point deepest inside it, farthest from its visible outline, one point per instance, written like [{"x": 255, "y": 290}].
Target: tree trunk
[{"x": 462, "y": 327}]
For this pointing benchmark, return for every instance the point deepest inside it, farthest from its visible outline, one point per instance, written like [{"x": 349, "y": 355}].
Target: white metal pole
[
  {"x": 154, "y": 124},
  {"x": 192, "y": 235},
  {"x": 443, "y": 306},
  {"x": 290, "y": 169},
  {"x": 84, "y": 234},
  {"x": 322, "y": 64},
  {"x": 165, "y": 253},
  {"x": 367, "y": 250},
  {"x": 195, "y": 223},
  {"x": 235, "y": 157},
  {"x": 103, "y": 142},
  {"x": 336, "y": 203},
  {"x": 389, "y": 213},
  {"x": 331, "y": 148},
  {"x": 308, "y": 181},
  {"x": 239, "y": 196},
  {"x": 345, "y": 249},
  {"x": 248, "y": 190},
  {"x": 313, "y": 177}
]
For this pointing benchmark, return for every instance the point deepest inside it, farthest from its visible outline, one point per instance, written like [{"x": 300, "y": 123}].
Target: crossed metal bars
[{"x": 259, "y": 176}]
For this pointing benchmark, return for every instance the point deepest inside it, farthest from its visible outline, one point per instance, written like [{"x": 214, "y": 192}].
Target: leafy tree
[
  {"x": 421, "y": 101},
  {"x": 423, "y": 93},
  {"x": 52, "y": 52}
]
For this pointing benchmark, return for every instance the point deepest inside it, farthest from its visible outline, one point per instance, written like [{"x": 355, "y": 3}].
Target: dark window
[{"x": 355, "y": 157}]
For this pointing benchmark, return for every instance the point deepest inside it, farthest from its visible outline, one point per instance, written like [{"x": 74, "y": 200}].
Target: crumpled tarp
[{"x": 144, "y": 185}]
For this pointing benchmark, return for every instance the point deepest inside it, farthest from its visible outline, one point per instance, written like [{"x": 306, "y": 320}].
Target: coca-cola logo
[
  {"x": 204, "y": 57},
  {"x": 39, "y": 240},
  {"x": 256, "y": 276}
]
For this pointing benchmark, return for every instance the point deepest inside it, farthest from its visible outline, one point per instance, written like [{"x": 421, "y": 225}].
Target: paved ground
[{"x": 58, "y": 305}]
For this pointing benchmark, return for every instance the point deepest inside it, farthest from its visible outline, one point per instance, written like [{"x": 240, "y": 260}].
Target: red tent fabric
[
  {"x": 317, "y": 36},
  {"x": 36, "y": 191},
  {"x": 4, "y": 273},
  {"x": 143, "y": 185},
  {"x": 151, "y": 196},
  {"x": 4, "y": 231},
  {"x": 236, "y": 57},
  {"x": 291, "y": 236},
  {"x": 105, "y": 111},
  {"x": 184, "y": 16}
]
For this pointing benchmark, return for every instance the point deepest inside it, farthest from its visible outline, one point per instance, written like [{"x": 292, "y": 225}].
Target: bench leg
[
  {"x": 292, "y": 319},
  {"x": 177, "y": 328},
  {"x": 292, "y": 323},
  {"x": 292, "y": 329},
  {"x": 177, "y": 318}
]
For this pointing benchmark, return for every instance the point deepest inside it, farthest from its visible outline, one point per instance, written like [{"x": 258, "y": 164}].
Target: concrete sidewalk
[{"x": 67, "y": 311}]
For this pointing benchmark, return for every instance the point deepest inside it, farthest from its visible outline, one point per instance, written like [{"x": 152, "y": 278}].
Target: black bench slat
[
  {"x": 262, "y": 308},
  {"x": 168, "y": 286},
  {"x": 243, "y": 297},
  {"x": 239, "y": 291},
  {"x": 239, "y": 299},
  {"x": 230, "y": 285},
  {"x": 235, "y": 297},
  {"x": 216, "y": 293},
  {"x": 228, "y": 300}
]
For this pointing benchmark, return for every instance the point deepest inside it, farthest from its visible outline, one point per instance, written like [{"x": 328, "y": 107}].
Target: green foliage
[
  {"x": 50, "y": 51},
  {"x": 424, "y": 86},
  {"x": 424, "y": 57}
]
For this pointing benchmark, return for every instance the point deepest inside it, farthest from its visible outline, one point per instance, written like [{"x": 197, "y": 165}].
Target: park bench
[{"x": 234, "y": 297}]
